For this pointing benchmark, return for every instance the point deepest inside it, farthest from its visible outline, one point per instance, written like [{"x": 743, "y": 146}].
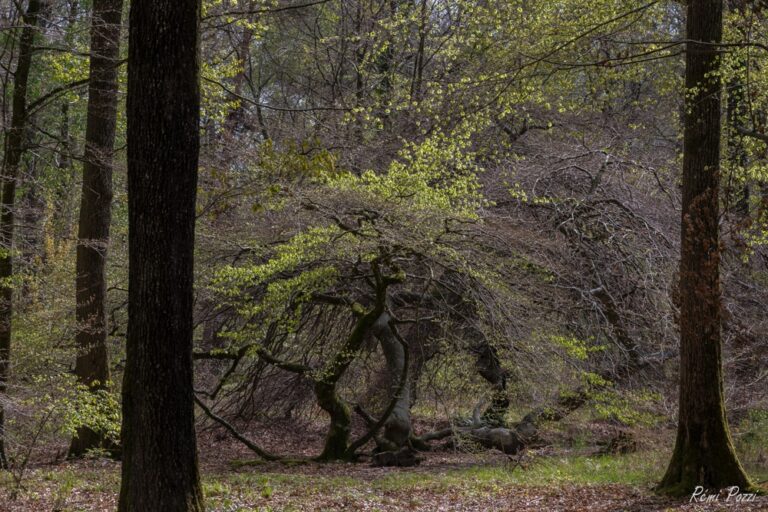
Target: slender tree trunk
[
  {"x": 14, "y": 150},
  {"x": 704, "y": 453},
  {"x": 160, "y": 468},
  {"x": 738, "y": 158},
  {"x": 92, "y": 365},
  {"x": 236, "y": 117},
  {"x": 418, "y": 67},
  {"x": 30, "y": 215},
  {"x": 489, "y": 367}
]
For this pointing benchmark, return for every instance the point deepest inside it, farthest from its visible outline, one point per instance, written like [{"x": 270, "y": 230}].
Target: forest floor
[{"x": 550, "y": 479}]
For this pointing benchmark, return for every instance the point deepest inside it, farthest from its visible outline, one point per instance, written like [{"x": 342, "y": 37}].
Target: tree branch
[{"x": 237, "y": 435}]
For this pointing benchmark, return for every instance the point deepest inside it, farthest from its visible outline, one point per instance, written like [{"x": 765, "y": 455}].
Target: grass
[
  {"x": 332, "y": 487},
  {"x": 640, "y": 469}
]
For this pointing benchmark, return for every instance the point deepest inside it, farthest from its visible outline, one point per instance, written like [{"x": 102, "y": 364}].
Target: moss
[{"x": 337, "y": 439}]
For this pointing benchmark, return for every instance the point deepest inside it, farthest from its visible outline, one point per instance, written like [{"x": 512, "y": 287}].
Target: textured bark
[
  {"x": 14, "y": 150},
  {"x": 160, "y": 467},
  {"x": 337, "y": 441},
  {"x": 397, "y": 428},
  {"x": 489, "y": 367},
  {"x": 92, "y": 365},
  {"x": 704, "y": 453},
  {"x": 328, "y": 399}
]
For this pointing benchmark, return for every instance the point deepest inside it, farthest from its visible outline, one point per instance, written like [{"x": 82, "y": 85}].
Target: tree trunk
[
  {"x": 489, "y": 367},
  {"x": 160, "y": 467},
  {"x": 14, "y": 150},
  {"x": 398, "y": 428},
  {"x": 92, "y": 365},
  {"x": 704, "y": 453},
  {"x": 337, "y": 439},
  {"x": 736, "y": 108}
]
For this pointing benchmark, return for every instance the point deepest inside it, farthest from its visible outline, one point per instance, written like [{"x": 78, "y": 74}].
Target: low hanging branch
[
  {"x": 259, "y": 350},
  {"x": 237, "y": 435},
  {"x": 752, "y": 134}
]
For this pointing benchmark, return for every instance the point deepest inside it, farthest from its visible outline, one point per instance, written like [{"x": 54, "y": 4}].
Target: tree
[
  {"x": 14, "y": 150},
  {"x": 92, "y": 366},
  {"x": 160, "y": 470},
  {"x": 704, "y": 453}
]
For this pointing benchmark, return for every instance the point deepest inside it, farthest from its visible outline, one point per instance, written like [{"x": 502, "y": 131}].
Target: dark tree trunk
[
  {"x": 30, "y": 215},
  {"x": 489, "y": 367},
  {"x": 92, "y": 365},
  {"x": 160, "y": 468},
  {"x": 337, "y": 439},
  {"x": 703, "y": 454},
  {"x": 14, "y": 150}
]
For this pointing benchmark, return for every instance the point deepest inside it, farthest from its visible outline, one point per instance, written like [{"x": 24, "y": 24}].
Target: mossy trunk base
[{"x": 337, "y": 440}]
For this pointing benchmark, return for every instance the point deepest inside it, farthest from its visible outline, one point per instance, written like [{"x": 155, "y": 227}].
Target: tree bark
[
  {"x": 337, "y": 439},
  {"x": 704, "y": 453},
  {"x": 489, "y": 367},
  {"x": 14, "y": 150},
  {"x": 160, "y": 466},
  {"x": 92, "y": 365},
  {"x": 398, "y": 427}
]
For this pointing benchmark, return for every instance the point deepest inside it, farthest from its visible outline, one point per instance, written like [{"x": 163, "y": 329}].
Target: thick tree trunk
[
  {"x": 337, "y": 439},
  {"x": 92, "y": 365},
  {"x": 14, "y": 150},
  {"x": 398, "y": 428},
  {"x": 160, "y": 467},
  {"x": 703, "y": 454}
]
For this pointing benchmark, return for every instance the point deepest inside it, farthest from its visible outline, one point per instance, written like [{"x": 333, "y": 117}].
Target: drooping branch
[
  {"x": 237, "y": 435},
  {"x": 260, "y": 350},
  {"x": 752, "y": 134}
]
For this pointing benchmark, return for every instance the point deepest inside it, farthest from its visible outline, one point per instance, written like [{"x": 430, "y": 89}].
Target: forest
[{"x": 390, "y": 255}]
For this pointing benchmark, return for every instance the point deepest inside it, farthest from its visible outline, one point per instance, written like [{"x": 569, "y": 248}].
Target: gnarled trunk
[
  {"x": 489, "y": 367},
  {"x": 397, "y": 429},
  {"x": 337, "y": 439}
]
